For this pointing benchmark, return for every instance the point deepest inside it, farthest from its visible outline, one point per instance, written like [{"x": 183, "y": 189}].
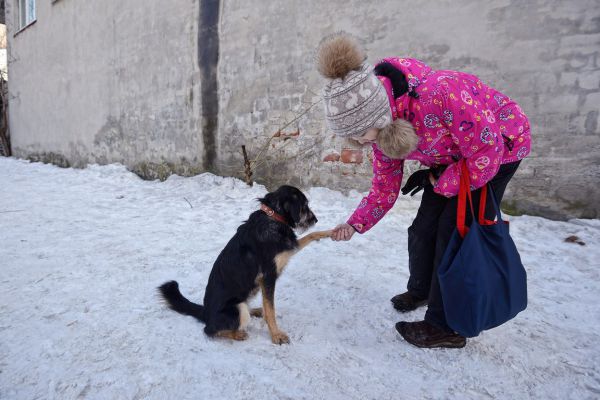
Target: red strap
[
  {"x": 461, "y": 210},
  {"x": 463, "y": 192},
  {"x": 467, "y": 188},
  {"x": 482, "y": 201},
  {"x": 482, "y": 207}
]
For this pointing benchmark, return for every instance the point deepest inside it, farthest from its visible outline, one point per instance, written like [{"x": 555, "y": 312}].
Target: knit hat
[{"x": 355, "y": 100}]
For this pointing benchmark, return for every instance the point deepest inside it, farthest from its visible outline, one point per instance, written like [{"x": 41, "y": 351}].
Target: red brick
[
  {"x": 331, "y": 157},
  {"x": 286, "y": 135},
  {"x": 352, "y": 156}
]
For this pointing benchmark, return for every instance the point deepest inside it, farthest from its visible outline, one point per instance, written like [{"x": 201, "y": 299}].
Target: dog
[{"x": 252, "y": 260}]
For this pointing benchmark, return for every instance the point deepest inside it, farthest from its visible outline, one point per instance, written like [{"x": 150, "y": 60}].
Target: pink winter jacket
[{"x": 455, "y": 116}]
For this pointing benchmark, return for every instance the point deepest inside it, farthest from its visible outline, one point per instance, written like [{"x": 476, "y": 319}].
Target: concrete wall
[
  {"x": 107, "y": 81},
  {"x": 544, "y": 54},
  {"x": 121, "y": 81}
]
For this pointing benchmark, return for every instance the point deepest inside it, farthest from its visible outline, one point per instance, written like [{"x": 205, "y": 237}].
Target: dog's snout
[{"x": 308, "y": 218}]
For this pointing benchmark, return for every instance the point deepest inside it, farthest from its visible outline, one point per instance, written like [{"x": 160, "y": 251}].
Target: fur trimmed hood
[{"x": 398, "y": 139}]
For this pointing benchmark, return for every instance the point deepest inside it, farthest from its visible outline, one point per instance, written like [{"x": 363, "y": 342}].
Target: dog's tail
[{"x": 176, "y": 302}]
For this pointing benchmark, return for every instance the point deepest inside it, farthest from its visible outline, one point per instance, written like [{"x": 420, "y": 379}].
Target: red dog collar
[{"x": 269, "y": 211}]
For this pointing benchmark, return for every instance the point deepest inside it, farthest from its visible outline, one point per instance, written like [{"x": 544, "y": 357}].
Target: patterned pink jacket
[{"x": 455, "y": 116}]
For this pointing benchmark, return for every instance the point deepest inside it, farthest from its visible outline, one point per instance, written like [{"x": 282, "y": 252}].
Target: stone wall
[{"x": 181, "y": 87}]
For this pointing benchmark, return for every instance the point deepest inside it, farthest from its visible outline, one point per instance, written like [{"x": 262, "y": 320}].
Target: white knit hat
[{"x": 355, "y": 100}]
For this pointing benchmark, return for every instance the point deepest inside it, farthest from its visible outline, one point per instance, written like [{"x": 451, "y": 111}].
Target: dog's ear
[
  {"x": 269, "y": 200},
  {"x": 293, "y": 207}
]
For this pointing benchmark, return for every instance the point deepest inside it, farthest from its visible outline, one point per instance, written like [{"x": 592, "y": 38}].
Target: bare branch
[{"x": 278, "y": 133}]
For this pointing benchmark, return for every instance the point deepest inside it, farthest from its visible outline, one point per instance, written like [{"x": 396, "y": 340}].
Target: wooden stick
[{"x": 248, "y": 168}]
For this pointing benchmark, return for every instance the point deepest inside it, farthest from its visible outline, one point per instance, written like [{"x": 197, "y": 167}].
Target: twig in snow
[
  {"x": 191, "y": 206},
  {"x": 575, "y": 239}
]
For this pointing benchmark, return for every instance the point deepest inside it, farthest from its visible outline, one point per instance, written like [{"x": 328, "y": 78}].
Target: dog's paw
[
  {"x": 240, "y": 335},
  {"x": 280, "y": 338},
  {"x": 326, "y": 234},
  {"x": 256, "y": 312}
]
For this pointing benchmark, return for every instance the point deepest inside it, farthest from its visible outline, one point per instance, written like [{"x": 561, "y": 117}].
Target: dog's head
[{"x": 291, "y": 204}]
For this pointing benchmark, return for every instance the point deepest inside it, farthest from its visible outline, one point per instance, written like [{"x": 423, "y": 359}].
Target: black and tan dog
[{"x": 254, "y": 258}]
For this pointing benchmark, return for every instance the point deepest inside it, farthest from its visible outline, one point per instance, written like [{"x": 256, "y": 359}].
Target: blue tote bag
[{"x": 482, "y": 279}]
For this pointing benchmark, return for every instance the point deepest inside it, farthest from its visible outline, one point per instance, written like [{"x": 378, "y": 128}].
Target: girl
[{"x": 407, "y": 111}]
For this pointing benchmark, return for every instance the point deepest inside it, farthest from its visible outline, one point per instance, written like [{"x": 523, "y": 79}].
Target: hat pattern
[{"x": 356, "y": 103}]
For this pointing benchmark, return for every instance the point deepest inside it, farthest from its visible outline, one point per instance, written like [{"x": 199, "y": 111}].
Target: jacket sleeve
[
  {"x": 475, "y": 132},
  {"x": 387, "y": 177}
]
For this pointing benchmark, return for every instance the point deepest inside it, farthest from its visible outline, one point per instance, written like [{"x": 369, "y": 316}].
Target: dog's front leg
[
  {"x": 311, "y": 237},
  {"x": 267, "y": 285}
]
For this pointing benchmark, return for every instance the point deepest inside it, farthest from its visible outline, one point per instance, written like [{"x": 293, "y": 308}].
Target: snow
[{"x": 83, "y": 250}]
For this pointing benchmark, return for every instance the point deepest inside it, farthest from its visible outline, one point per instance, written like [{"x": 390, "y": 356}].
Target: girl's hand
[{"x": 342, "y": 232}]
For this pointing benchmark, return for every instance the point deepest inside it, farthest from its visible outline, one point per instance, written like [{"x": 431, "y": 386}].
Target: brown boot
[
  {"x": 423, "y": 334},
  {"x": 407, "y": 302}
]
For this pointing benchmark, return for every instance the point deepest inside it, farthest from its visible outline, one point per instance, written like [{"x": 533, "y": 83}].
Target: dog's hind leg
[
  {"x": 311, "y": 237},
  {"x": 267, "y": 284},
  {"x": 244, "y": 316},
  {"x": 255, "y": 312},
  {"x": 228, "y": 321},
  {"x": 235, "y": 334}
]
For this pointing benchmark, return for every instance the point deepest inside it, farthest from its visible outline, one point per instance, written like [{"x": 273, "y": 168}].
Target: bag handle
[
  {"x": 482, "y": 204},
  {"x": 497, "y": 210},
  {"x": 464, "y": 193}
]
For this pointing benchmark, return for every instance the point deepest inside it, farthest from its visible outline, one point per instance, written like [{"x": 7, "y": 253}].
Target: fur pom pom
[
  {"x": 398, "y": 139},
  {"x": 339, "y": 54}
]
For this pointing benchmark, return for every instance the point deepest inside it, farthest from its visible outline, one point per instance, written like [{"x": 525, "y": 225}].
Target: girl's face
[{"x": 368, "y": 137}]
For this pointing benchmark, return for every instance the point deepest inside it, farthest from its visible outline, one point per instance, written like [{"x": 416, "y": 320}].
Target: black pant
[{"x": 429, "y": 235}]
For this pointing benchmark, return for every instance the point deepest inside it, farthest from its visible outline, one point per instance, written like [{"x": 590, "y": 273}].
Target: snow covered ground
[{"x": 82, "y": 251}]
